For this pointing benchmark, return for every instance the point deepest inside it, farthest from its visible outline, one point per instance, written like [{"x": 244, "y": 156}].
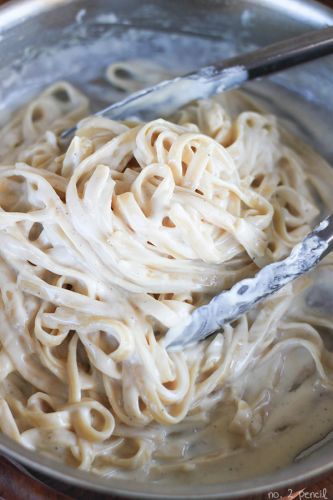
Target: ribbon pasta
[{"x": 106, "y": 245}]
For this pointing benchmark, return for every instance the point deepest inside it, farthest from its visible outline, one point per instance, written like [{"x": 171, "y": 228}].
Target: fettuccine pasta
[{"x": 107, "y": 243}]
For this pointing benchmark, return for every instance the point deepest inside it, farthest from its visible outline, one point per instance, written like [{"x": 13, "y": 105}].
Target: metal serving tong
[
  {"x": 168, "y": 96},
  {"x": 245, "y": 294}
]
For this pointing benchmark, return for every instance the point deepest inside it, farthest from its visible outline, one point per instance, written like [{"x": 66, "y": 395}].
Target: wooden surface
[{"x": 18, "y": 484}]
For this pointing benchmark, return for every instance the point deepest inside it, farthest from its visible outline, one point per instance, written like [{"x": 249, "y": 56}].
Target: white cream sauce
[{"x": 282, "y": 410}]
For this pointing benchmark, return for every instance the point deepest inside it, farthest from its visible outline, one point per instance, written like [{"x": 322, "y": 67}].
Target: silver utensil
[
  {"x": 168, "y": 96},
  {"x": 315, "y": 447},
  {"x": 245, "y": 294}
]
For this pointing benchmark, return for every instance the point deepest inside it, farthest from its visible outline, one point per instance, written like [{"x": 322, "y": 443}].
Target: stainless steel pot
[{"x": 42, "y": 41}]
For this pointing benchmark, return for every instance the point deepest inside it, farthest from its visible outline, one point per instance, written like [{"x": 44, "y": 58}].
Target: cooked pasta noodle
[{"x": 110, "y": 242}]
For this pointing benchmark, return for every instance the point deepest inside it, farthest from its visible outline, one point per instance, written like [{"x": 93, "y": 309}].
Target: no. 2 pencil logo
[{"x": 301, "y": 495}]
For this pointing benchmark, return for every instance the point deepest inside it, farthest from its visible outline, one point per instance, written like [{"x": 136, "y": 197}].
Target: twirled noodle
[{"x": 107, "y": 244}]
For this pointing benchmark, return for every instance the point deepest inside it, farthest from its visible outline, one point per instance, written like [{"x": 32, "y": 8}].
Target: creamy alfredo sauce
[{"x": 108, "y": 243}]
